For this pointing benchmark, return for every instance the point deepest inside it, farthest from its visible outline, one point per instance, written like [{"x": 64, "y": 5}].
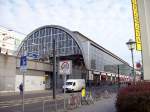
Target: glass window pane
[
  {"x": 42, "y": 32},
  {"x": 36, "y": 34},
  {"x": 54, "y": 31},
  {"x": 48, "y": 31}
]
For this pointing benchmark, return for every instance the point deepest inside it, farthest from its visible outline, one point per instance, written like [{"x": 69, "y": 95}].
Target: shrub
[{"x": 135, "y": 98}]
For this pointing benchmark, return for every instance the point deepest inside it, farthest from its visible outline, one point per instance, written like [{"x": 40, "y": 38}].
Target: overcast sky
[{"x": 107, "y": 22}]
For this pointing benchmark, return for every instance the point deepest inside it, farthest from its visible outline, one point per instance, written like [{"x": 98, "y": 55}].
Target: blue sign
[
  {"x": 23, "y": 63},
  {"x": 29, "y": 54},
  {"x": 33, "y": 55}
]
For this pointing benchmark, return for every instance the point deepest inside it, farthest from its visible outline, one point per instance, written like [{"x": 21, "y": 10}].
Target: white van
[{"x": 74, "y": 84}]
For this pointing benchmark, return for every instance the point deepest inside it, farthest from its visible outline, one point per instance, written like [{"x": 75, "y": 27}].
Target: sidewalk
[
  {"x": 103, "y": 105},
  {"x": 10, "y": 93}
]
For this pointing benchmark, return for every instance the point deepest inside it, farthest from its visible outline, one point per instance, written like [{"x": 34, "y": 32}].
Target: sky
[{"x": 107, "y": 22}]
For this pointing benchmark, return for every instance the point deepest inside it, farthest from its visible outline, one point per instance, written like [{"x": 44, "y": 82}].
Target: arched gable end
[{"x": 39, "y": 42}]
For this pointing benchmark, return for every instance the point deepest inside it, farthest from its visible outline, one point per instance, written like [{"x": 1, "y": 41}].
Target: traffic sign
[
  {"x": 23, "y": 63},
  {"x": 65, "y": 67}
]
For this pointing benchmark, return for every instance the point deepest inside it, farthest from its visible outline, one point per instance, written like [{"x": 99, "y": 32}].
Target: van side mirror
[{"x": 74, "y": 84}]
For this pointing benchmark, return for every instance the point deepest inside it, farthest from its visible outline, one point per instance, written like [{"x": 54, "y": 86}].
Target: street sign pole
[
  {"x": 23, "y": 68},
  {"x": 23, "y": 93},
  {"x": 64, "y": 93},
  {"x": 65, "y": 68},
  {"x": 54, "y": 69}
]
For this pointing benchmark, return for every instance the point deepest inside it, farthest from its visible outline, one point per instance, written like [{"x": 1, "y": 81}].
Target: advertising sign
[{"x": 136, "y": 25}]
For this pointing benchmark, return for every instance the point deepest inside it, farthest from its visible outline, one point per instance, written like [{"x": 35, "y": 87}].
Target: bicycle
[
  {"x": 89, "y": 99},
  {"x": 74, "y": 101}
]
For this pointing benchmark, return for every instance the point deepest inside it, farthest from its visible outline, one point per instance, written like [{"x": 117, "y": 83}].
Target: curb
[{"x": 6, "y": 93}]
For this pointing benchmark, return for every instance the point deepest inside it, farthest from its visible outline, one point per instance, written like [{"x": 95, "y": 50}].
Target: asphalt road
[{"x": 34, "y": 102}]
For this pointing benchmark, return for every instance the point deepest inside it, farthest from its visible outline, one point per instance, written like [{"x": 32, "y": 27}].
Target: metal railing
[{"x": 74, "y": 101}]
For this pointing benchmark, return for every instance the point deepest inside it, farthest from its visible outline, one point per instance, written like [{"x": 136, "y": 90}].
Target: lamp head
[{"x": 131, "y": 44}]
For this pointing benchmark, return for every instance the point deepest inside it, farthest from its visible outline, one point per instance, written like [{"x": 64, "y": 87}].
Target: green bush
[{"x": 135, "y": 98}]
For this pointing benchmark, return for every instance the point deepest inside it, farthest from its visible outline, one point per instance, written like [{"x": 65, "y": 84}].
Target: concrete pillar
[{"x": 144, "y": 16}]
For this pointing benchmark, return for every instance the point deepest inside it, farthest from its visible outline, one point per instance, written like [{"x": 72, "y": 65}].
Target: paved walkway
[
  {"x": 11, "y": 93},
  {"x": 104, "y": 105}
]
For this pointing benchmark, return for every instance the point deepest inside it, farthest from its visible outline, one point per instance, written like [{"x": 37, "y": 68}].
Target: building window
[
  {"x": 48, "y": 31},
  {"x": 36, "y": 34},
  {"x": 42, "y": 32}
]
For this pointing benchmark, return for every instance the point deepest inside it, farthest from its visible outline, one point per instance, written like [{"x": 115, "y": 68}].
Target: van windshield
[{"x": 69, "y": 83}]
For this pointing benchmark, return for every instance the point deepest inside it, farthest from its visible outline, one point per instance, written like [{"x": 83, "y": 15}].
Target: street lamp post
[
  {"x": 54, "y": 69},
  {"x": 118, "y": 76},
  {"x": 54, "y": 66},
  {"x": 131, "y": 46}
]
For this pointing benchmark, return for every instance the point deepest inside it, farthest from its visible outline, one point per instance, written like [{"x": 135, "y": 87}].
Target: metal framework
[{"x": 38, "y": 43}]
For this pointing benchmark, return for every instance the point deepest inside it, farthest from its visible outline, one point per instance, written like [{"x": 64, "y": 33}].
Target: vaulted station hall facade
[{"x": 86, "y": 55}]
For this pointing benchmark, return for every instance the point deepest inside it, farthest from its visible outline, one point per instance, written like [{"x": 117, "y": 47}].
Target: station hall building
[{"x": 87, "y": 57}]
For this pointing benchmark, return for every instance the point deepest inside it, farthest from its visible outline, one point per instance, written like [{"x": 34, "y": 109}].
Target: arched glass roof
[{"x": 38, "y": 44}]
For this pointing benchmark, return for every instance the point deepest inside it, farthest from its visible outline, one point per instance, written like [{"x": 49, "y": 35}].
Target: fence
[
  {"x": 52, "y": 106},
  {"x": 74, "y": 101}
]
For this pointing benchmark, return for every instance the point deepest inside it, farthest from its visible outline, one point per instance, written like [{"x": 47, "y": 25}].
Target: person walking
[
  {"x": 21, "y": 88},
  {"x": 83, "y": 95}
]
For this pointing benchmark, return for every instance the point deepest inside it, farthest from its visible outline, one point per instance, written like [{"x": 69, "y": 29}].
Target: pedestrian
[
  {"x": 21, "y": 88},
  {"x": 129, "y": 84},
  {"x": 83, "y": 95}
]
